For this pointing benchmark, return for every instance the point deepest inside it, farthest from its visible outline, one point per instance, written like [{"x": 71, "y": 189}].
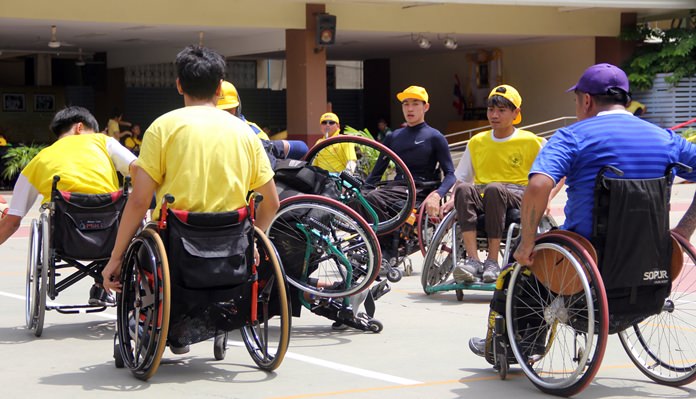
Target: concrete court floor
[{"x": 422, "y": 352}]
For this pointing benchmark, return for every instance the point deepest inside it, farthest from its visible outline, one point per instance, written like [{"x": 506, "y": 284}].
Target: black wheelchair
[
  {"x": 447, "y": 247},
  {"x": 193, "y": 276},
  {"x": 73, "y": 231},
  {"x": 634, "y": 279}
]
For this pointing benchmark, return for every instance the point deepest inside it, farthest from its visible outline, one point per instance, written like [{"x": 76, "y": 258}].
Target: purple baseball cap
[{"x": 598, "y": 79}]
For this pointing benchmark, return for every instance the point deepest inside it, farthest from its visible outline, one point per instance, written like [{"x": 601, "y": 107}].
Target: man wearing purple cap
[{"x": 605, "y": 134}]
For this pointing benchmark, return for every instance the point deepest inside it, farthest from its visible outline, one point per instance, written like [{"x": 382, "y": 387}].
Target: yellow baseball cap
[
  {"x": 511, "y": 94},
  {"x": 228, "y": 96},
  {"x": 416, "y": 92},
  {"x": 329, "y": 116}
]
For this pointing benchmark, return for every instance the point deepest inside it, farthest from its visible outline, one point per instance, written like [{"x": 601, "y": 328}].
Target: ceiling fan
[{"x": 54, "y": 42}]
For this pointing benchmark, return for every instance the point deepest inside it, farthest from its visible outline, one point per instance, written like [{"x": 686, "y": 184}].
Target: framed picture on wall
[
  {"x": 13, "y": 102},
  {"x": 44, "y": 102}
]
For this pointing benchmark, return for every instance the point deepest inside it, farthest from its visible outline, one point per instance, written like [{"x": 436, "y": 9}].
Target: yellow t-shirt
[
  {"x": 81, "y": 161},
  {"x": 206, "y": 158},
  {"x": 503, "y": 161},
  {"x": 335, "y": 158},
  {"x": 112, "y": 128},
  {"x": 3, "y": 142},
  {"x": 132, "y": 142}
]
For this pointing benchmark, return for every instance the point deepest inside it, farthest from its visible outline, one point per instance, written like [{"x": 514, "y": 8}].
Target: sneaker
[
  {"x": 179, "y": 350},
  {"x": 467, "y": 270},
  {"x": 491, "y": 270},
  {"x": 339, "y": 326},
  {"x": 99, "y": 297},
  {"x": 478, "y": 346}
]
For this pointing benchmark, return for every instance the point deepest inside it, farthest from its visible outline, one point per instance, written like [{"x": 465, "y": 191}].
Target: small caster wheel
[
  {"x": 220, "y": 346},
  {"x": 375, "y": 326},
  {"x": 408, "y": 267},
  {"x": 460, "y": 295},
  {"x": 503, "y": 366},
  {"x": 394, "y": 275},
  {"x": 118, "y": 359}
]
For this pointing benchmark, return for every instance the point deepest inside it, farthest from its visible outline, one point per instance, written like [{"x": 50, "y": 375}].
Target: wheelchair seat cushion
[
  {"x": 85, "y": 225},
  {"x": 215, "y": 253}
]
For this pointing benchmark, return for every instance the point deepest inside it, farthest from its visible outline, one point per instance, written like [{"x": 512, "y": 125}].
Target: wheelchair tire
[
  {"x": 442, "y": 255},
  {"x": 267, "y": 338},
  {"x": 662, "y": 345},
  {"x": 321, "y": 239},
  {"x": 37, "y": 273},
  {"x": 370, "y": 150},
  {"x": 557, "y": 316},
  {"x": 220, "y": 346},
  {"x": 143, "y": 305},
  {"x": 426, "y": 227},
  {"x": 118, "y": 359},
  {"x": 32, "y": 291}
]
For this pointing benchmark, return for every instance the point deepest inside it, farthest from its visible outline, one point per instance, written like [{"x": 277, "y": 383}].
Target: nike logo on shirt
[{"x": 419, "y": 142}]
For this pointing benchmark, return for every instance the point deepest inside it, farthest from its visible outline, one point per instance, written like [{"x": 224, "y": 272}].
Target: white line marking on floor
[{"x": 302, "y": 358}]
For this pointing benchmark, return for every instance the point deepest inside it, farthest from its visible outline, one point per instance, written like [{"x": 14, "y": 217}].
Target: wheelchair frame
[
  {"x": 557, "y": 318},
  {"x": 146, "y": 297},
  {"x": 335, "y": 257},
  {"x": 44, "y": 265},
  {"x": 447, "y": 242}
]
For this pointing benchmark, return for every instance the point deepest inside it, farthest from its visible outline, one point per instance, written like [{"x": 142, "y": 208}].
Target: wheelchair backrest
[
  {"x": 85, "y": 225},
  {"x": 209, "y": 250},
  {"x": 633, "y": 243}
]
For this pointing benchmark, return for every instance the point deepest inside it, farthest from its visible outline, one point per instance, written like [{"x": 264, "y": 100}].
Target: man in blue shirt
[{"x": 605, "y": 134}]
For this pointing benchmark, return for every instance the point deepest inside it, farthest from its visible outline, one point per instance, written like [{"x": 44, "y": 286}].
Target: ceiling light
[
  {"x": 423, "y": 42},
  {"x": 451, "y": 43}
]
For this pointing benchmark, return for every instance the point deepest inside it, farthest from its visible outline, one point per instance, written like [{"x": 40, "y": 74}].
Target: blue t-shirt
[
  {"x": 422, "y": 148},
  {"x": 637, "y": 147}
]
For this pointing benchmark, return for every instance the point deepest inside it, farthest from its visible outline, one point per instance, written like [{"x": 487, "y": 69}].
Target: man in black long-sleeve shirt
[{"x": 423, "y": 149}]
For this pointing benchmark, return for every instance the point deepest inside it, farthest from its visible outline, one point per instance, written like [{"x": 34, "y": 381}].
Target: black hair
[
  {"x": 64, "y": 120},
  {"x": 612, "y": 96},
  {"x": 200, "y": 71},
  {"x": 115, "y": 113},
  {"x": 501, "y": 102}
]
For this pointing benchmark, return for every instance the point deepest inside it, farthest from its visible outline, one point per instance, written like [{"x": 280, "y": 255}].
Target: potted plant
[{"x": 16, "y": 158}]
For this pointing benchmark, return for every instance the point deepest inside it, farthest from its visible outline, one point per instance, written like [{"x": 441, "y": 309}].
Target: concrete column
[
  {"x": 42, "y": 70},
  {"x": 614, "y": 50},
  {"x": 306, "y": 81}
]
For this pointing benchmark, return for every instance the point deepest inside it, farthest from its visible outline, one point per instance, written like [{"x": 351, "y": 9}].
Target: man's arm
[
  {"x": 8, "y": 226},
  {"x": 687, "y": 224},
  {"x": 138, "y": 203},
  {"x": 534, "y": 202},
  {"x": 268, "y": 207}
]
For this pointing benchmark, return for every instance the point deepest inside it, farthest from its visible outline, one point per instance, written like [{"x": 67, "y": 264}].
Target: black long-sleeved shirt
[{"x": 425, "y": 152}]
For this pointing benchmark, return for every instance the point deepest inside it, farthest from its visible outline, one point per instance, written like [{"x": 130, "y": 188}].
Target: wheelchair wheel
[
  {"x": 662, "y": 346},
  {"x": 267, "y": 338},
  {"x": 426, "y": 226},
  {"x": 37, "y": 275},
  {"x": 328, "y": 250},
  {"x": 443, "y": 252},
  {"x": 220, "y": 346},
  {"x": 398, "y": 209},
  {"x": 557, "y": 316},
  {"x": 143, "y": 305}
]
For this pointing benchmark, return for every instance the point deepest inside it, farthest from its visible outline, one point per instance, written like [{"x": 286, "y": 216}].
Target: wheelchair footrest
[
  {"x": 73, "y": 309},
  {"x": 451, "y": 286}
]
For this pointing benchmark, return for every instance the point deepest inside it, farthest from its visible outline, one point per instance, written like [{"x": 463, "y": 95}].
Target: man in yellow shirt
[
  {"x": 338, "y": 157},
  {"x": 86, "y": 163},
  {"x": 491, "y": 178},
  {"x": 205, "y": 157}
]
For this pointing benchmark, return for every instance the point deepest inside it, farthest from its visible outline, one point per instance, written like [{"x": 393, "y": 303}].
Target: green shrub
[{"x": 17, "y": 158}]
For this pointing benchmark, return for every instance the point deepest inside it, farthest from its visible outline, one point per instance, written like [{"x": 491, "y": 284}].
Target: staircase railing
[{"x": 544, "y": 129}]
